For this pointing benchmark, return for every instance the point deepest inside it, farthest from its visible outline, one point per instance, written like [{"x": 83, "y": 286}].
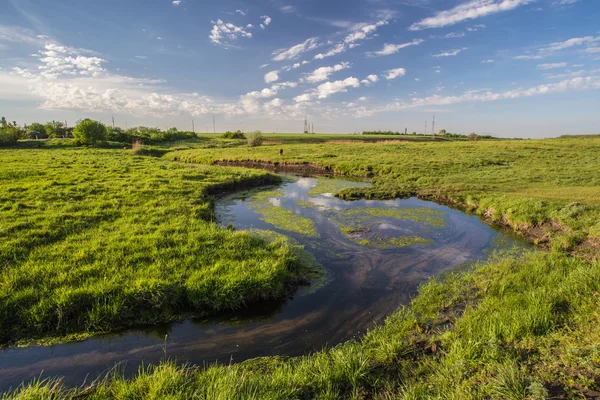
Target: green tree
[
  {"x": 9, "y": 133},
  {"x": 89, "y": 132}
]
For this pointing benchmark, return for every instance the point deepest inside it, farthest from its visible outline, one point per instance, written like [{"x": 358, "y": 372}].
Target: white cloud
[
  {"x": 272, "y": 76},
  {"x": 176, "y": 2},
  {"x": 327, "y": 89},
  {"x": 338, "y": 48},
  {"x": 437, "y": 69},
  {"x": 564, "y": 2},
  {"x": 592, "y": 50},
  {"x": 295, "y": 51},
  {"x": 141, "y": 57},
  {"x": 575, "y": 84},
  {"x": 395, "y": 73},
  {"x": 449, "y": 53},
  {"x": 363, "y": 98},
  {"x": 453, "y": 35},
  {"x": 224, "y": 32},
  {"x": 363, "y": 30},
  {"x": 266, "y": 21},
  {"x": 552, "y": 65},
  {"x": 370, "y": 80},
  {"x": 394, "y": 48},
  {"x": 552, "y": 48},
  {"x": 466, "y": 11},
  {"x": 323, "y": 73},
  {"x": 240, "y": 12},
  {"x": 487, "y": 61}
]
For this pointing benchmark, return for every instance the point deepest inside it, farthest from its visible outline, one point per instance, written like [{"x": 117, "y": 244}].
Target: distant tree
[
  {"x": 89, "y": 132},
  {"x": 36, "y": 131},
  {"x": 55, "y": 129},
  {"x": 9, "y": 132},
  {"x": 442, "y": 132},
  {"x": 473, "y": 136}
]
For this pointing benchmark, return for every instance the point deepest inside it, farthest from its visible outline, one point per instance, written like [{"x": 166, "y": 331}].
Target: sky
[{"x": 510, "y": 68}]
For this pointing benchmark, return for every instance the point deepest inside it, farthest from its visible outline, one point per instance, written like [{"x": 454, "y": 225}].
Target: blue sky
[{"x": 524, "y": 68}]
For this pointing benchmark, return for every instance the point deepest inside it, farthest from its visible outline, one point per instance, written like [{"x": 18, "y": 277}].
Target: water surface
[{"x": 374, "y": 253}]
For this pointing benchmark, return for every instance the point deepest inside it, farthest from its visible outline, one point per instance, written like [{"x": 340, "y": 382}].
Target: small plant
[
  {"x": 255, "y": 138},
  {"x": 233, "y": 135},
  {"x": 137, "y": 148}
]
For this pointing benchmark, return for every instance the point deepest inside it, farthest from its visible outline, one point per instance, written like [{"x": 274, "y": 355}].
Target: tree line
[
  {"x": 87, "y": 132},
  {"x": 442, "y": 133}
]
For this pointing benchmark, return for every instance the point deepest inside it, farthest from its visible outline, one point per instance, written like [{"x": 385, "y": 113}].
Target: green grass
[
  {"x": 523, "y": 326},
  {"x": 97, "y": 240},
  {"x": 504, "y": 330}
]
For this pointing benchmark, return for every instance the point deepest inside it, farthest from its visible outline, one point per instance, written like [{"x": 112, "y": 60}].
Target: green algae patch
[
  {"x": 286, "y": 220},
  {"x": 333, "y": 186}
]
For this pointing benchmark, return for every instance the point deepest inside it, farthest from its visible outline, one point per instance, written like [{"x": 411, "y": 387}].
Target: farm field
[{"x": 517, "y": 326}]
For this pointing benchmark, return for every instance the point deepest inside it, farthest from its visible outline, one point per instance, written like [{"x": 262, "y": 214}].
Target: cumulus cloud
[
  {"x": 225, "y": 32},
  {"x": 389, "y": 49},
  {"x": 370, "y": 80},
  {"x": 295, "y": 51},
  {"x": 266, "y": 21},
  {"x": 395, "y": 73},
  {"x": 323, "y": 73},
  {"x": 327, "y": 89},
  {"x": 448, "y": 53},
  {"x": 466, "y": 11},
  {"x": 272, "y": 76},
  {"x": 552, "y": 65}
]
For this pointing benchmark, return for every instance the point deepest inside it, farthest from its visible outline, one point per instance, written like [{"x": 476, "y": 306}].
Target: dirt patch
[
  {"x": 588, "y": 250},
  {"x": 276, "y": 166}
]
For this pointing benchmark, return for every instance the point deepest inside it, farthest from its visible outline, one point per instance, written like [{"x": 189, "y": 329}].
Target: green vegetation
[
  {"x": 255, "y": 138},
  {"x": 519, "y": 326},
  {"x": 96, "y": 240},
  {"x": 89, "y": 132},
  {"x": 233, "y": 135},
  {"x": 509, "y": 329}
]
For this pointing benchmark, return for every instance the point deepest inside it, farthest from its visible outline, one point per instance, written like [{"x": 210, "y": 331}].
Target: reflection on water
[{"x": 375, "y": 253}]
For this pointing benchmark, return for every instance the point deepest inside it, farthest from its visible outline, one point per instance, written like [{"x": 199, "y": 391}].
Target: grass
[
  {"x": 96, "y": 240},
  {"x": 516, "y": 327},
  {"x": 485, "y": 333}
]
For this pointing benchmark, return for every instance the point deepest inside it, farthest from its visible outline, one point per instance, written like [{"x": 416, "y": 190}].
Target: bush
[
  {"x": 255, "y": 138},
  {"x": 9, "y": 133},
  {"x": 89, "y": 132},
  {"x": 233, "y": 135}
]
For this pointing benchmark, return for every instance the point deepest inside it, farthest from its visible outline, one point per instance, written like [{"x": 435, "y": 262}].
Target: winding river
[{"x": 374, "y": 254}]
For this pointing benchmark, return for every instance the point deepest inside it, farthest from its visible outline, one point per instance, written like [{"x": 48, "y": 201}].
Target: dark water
[{"x": 364, "y": 283}]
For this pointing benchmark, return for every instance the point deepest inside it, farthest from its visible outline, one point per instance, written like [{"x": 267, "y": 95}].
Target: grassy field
[
  {"x": 517, "y": 327},
  {"x": 93, "y": 240}
]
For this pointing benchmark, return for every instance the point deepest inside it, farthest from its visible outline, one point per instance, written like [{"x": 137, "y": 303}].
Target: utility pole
[
  {"x": 113, "y": 121},
  {"x": 193, "y": 127},
  {"x": 214, "y": 125},
  {"x": 426, "y": 127},
  {"x": 433, "y": 126}
]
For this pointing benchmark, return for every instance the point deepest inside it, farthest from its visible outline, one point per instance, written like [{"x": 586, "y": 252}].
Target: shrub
[
  {"x": 255, "y": 138},
  {"x": 89, "y": 132},
  {"x": 233, "y": 135}
]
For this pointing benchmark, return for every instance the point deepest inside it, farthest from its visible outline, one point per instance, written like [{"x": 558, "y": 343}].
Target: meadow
[
  {"x": 524, "y": 326},
  {"x": 93, "y": 240}
]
